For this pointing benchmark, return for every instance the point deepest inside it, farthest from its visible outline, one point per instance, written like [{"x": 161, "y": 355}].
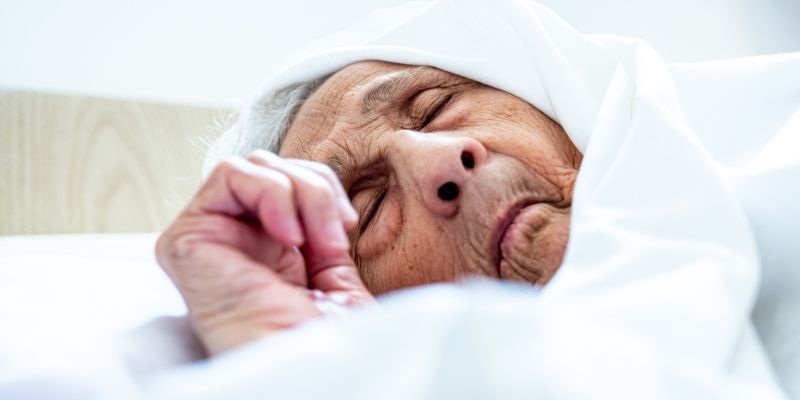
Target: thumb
[
  {"x": 343, "y": 281},
  {"x": 337, "y": 273}
]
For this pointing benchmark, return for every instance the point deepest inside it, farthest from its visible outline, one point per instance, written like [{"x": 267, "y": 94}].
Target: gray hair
[{"x": 262, "y": 124}]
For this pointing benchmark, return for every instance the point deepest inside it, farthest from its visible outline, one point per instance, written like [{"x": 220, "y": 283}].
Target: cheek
[
  {"x": 512, "y": 125},
  {"x": 385, "y": 229},
  {"x": 529, "y": 137},
  {"x": 421, "y": 255}
]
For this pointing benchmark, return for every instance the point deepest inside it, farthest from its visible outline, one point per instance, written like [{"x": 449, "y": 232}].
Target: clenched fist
[{"x": 261, "y": 243}]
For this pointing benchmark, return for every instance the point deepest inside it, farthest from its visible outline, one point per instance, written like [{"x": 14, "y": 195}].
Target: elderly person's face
[{"x": 450, "y": 177}]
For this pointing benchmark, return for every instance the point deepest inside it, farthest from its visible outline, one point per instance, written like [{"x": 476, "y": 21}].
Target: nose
[{"x": 438, "y": 167}]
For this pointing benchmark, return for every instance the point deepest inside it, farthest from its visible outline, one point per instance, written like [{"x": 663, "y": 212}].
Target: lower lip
[{"x": 527, "y": 218}]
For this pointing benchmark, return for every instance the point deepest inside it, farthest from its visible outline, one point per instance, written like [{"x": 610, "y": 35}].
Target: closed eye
[
  {"x": 436, "y": 110},
  {"x": 373, "y": 208}
]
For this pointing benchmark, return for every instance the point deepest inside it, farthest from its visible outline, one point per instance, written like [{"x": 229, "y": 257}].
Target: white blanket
[{"x": 685, "y": 200}]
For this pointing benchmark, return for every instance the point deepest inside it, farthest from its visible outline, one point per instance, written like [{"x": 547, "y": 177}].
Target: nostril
[
  {"x": 467, "y": 160},
  {"x": 448, "y": 191}
]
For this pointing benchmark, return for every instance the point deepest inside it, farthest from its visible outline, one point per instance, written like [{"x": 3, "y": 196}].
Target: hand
[{"x": 262, "y": 239}]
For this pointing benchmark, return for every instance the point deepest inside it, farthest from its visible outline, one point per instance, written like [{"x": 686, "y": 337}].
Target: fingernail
[{"x": 337, "y": 236}]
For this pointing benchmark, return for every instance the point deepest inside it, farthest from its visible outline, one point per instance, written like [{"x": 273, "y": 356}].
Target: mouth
[{"x": 504, "y": 222}]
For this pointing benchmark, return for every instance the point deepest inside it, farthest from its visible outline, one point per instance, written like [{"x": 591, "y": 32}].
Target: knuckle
[
  {"x": 182, "y": 248},
  {"x": 326, "y": 170},
  {"x": 319, "y": 187},
  {"x": 259, "y": 155},
  {"x": 227, "y": 166},
  {"x": 162, "y": 250},
  {"x": 279, "y": 183},
  {"x": 327, "y": 173},
  {"x": 222, "y": 171},
  {"x": 321, "y": 169}
]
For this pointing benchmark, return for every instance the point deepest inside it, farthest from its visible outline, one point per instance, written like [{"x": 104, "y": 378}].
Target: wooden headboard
[{"x": 81, "y": 164}]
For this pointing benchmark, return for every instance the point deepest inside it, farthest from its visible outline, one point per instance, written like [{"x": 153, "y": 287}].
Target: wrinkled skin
[
  {"x": 433, "y": 176},
  {"x": 261, "y": 248},
  {"x": 394, "y": 149}
]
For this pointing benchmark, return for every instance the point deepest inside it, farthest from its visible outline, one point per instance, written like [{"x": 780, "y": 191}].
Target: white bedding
[
  {"x": 683, "y": 204},
  {"x": 88, "y": 284},
  {"x": 89, "y": 316},
  {"x": 86, "y": 314}
]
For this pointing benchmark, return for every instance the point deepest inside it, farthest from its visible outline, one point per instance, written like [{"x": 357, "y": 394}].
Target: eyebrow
[
  {"x": 336, "y": 163},
  {"x": 388, "y": 87}
]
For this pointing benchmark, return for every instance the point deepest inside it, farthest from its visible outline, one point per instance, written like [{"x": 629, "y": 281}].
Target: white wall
[{"x": 216, "y": 52}]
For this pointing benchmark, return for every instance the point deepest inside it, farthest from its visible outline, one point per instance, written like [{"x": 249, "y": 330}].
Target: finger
[
  {"x": 237, "y": 187},
  {"x": 216, "y": 228},
  {"x": 290, "y": 265},
  {"x": 252, "y": 239},
  {"x": 342, "y": 280},
  {"x": 348, "y": 213},
  {"x": 337, "y": 274},
  {"x": 317, "y": 205}
]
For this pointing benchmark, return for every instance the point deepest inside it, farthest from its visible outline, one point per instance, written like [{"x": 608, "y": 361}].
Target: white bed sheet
[{"x": 86, "y": 314}]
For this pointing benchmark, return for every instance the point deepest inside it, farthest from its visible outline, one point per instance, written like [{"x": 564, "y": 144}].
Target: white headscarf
[{"x": 517, "y": 46}]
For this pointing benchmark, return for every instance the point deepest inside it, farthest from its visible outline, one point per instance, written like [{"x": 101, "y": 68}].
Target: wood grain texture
[{"x": 82, "y": 164}]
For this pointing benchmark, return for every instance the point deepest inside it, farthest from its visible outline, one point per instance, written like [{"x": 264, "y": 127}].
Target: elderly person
[
  {"x": 447, "y": 178},
  {"x": 379, "y": 160}
]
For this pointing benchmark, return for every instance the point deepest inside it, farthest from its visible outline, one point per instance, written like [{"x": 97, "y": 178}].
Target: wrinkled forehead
[
  {"x": 319, "y": 113},
  {"x": 351, "y": 92}
]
